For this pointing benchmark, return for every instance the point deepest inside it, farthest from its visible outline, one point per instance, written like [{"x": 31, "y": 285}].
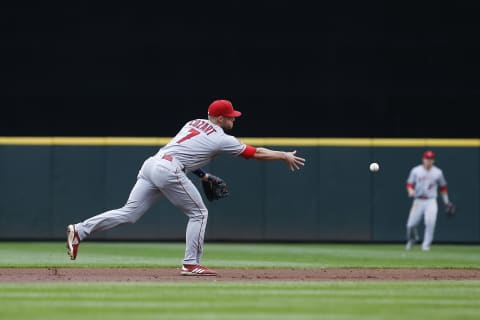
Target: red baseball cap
[
  {"x": 428, "y": 155},
  {"x": 223, "y": 108}
]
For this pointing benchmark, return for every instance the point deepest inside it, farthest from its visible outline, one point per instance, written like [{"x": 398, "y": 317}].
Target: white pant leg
[
  {"x": 187, "y": 198},
  {"x": 431, "y": 211},
  {"x": 414, "y": 218},
  {"x": 143, "y": 195},
  {"x": 182, "y": 193}
]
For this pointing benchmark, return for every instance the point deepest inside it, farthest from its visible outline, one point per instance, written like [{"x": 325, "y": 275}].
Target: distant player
[
  {"x": 422, "y": 185},
  {"x": 165, "y": 175}
]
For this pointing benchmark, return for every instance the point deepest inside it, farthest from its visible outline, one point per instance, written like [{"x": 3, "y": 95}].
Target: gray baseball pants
[
  {"x": 158, "y": 177},
  {"x": 428, "y": 209}
]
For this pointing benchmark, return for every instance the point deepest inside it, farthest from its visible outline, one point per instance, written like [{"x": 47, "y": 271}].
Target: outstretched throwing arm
[{"x": 293, "y": 161}]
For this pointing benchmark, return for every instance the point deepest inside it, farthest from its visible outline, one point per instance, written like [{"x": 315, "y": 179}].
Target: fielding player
[
  {"x": 422, "y": 185},
  {"x": 165, "y": 175}
]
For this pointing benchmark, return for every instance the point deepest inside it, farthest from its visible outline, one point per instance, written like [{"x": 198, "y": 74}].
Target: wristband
[{"x": 199, "y": 172}]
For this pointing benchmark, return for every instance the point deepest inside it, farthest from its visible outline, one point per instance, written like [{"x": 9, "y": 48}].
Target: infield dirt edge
[{"x": 53, "y": 274}]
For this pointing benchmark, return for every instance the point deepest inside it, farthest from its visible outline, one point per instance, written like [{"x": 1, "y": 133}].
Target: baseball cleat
[
  {"x": 196, "y": 270},
  {"x": 73, "y": 241}
]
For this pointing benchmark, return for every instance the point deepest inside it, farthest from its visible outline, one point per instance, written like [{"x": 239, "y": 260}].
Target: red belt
[
  {"x": 170, "y": 158},
  {"x": 167, "y": 157}
]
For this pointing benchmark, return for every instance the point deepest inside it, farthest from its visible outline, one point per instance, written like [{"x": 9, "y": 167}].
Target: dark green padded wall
[{"x": 333, "y": 198}]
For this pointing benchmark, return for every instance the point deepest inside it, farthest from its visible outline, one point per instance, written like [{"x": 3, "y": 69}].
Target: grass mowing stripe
[
  {"x": 235, "y": 255},
  {"x": 249, "y": 300}
]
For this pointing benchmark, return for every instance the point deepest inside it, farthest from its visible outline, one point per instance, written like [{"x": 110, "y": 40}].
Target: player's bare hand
[
  {"x": 411, "y": 193},
  {"x": 294, "y": 162}
]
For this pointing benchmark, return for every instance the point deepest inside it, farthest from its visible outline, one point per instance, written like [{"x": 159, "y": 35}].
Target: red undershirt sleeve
[{"x": 248, "y": 152}]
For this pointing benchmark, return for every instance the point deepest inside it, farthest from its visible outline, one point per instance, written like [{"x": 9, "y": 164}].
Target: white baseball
[{"x": 374, "y": 167}]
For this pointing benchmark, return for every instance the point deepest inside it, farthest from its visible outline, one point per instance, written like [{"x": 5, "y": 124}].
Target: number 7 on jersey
[{"x": 192, "y": 133}]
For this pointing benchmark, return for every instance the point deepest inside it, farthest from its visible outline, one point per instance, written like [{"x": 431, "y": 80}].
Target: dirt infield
[{"x": 159, "y": 275}]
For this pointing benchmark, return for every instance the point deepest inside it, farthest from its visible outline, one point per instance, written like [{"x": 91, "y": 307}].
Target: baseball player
[
  {"x": 422, "y": 184},
  {"x": 165, "y": 175}
]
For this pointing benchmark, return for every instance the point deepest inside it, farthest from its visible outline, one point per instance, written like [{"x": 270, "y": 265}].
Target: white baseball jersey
[
  {"x": 199, "y": 141},
  {"x": 426, "y": 182},
  {"x": 164, "y": 175}
]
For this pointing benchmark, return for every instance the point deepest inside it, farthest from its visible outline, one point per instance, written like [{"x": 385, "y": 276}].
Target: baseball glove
[
  {"x": 450, "y": 209},
  {"x": 214, "y": 188}
]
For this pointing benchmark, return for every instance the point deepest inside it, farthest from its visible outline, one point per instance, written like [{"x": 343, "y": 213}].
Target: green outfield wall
[{"x": 47, "y": 183}]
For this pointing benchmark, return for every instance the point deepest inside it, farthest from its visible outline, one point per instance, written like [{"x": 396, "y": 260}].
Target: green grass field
[
  {"x": 241, "y": 300},
  {"x": 229, "y": 255},
  {"x": 220, "y": 300}
]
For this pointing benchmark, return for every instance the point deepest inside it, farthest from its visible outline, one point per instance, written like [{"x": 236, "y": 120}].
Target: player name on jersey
[{"x": 202, "y": 125}]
